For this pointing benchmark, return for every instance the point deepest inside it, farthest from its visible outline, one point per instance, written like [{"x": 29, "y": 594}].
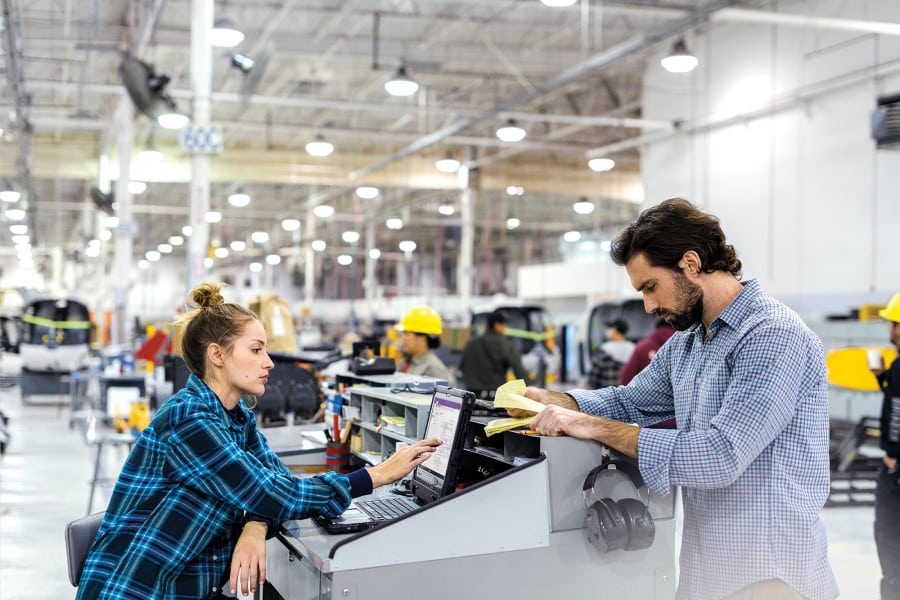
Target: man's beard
[{"x": 689, "y": 309}]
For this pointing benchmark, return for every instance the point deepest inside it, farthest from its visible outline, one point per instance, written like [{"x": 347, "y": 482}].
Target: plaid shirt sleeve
[{"x": 204, "y": 456}]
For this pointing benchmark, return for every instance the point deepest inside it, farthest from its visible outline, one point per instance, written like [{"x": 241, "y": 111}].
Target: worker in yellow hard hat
[
  {"x": 420, "y": 334},
  {"x": 887, "y": 486}
]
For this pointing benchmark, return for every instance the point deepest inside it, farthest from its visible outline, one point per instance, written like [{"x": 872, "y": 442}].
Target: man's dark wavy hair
[{"x": 663, "y": 233}]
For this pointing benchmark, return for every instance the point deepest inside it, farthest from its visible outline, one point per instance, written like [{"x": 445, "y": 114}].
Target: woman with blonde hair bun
[{"x": 201, "y": 490}]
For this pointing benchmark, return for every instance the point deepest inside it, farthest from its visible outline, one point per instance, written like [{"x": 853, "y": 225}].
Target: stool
[{"x": 101, "y": 440}]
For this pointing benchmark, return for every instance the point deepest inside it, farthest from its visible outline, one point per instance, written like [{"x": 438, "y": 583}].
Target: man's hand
[
  {"x": 556, "y": 420},
  {"x": 402, "y": 462},
  {"x": 249, "y": 558},
  {"x": 890, "y": 463}
]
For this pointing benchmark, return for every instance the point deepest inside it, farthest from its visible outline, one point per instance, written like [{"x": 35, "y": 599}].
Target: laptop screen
[{"x": 450, "y": 411}]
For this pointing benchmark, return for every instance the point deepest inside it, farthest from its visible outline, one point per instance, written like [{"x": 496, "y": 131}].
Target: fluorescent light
[
  {"x": 394, "y": 223},
  {"x": 259, "y": 237},
  {"x": 679, "y": 60},
  {"x": 176, "y": 240},
  {"x": 601, "y": 165},
  {"x": 511, "y": 132},
  {"x": 20, "y": 239},
  {"x": 18, "y": 229},
  {"x": 513, "y": 223},
  {"x": 164, "y": 248},
  {"x": 514, "y": 190},
  {"x": 583, "y": 207},
  {"x": 446, "y": 209},
  {"x": 273, "y": 259},
  {"x": 221, "y": 252},
  {"x": 319, "y": 147},
  {"x": 187, "y": 230},
  {"x": 15, "y": 214},
  {"x": 407, "y": 246},
  {"x": 344, "y": 260},
  {"x": 238, "y": 245},
  {"x": 557, "y": 3},
  {"x": 400, "y": 84},
  {"x": 367, "y": 192},
  {"x": 225, "y": 34},
  {"x": 323, "y": 211},
  {"x": 374, "y": 253},
  {"x": 213, "y": 216},
  {"x": 351, "y": 237},
  {"x": 255, "y": 267},
  {"x": 290, "y": 224},
  {"x": 152, "y": 255},
  {"x": 572, "y": 236},
  {"x": 319, "y": 245}
]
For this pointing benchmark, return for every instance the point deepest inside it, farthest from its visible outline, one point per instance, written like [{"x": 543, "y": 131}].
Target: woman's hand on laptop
[{"x": 402, "y": 462}]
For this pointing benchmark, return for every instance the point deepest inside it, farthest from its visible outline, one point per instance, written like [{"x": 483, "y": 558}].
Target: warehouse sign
[{"x": 201, "y": 139}]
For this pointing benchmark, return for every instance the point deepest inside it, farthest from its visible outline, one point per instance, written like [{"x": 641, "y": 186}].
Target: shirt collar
[{"x": 739, "y": 308}]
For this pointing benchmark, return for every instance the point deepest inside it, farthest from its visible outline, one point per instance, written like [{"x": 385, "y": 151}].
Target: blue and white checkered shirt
[{"x": 750, "y": 449}]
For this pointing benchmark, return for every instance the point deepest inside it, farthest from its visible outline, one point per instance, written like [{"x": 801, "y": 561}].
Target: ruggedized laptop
[{"x": 436, "y": 477}]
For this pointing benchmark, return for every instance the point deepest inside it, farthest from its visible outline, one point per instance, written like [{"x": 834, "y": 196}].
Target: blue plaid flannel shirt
[
  {"x": 182, "y": 496},
  {"x": 750, "y": 450}
]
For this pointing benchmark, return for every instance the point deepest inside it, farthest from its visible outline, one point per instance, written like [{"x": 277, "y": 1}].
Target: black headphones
[{"x": 617, "y": 524}]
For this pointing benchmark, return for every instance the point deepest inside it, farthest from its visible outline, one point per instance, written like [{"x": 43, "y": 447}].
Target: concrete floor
[{"x": 44, "y": 479}]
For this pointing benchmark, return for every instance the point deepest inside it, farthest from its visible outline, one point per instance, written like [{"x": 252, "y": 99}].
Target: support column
[
  {"x": 201, "y": 85},
  {"x": 309, "y": 272},
  {"x": 122, "y": 259},
  {"x": 369, "y": 282},
  {"x": 465, "y": 269}
]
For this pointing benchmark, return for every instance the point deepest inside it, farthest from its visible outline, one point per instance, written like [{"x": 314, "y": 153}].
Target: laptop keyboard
[{"x": 383, "y": 509}]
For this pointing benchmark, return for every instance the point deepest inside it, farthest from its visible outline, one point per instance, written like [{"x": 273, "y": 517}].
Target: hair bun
[{"x": 206, "y": 295}]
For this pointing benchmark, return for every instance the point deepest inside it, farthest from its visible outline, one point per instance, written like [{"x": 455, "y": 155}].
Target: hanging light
[
  {"x": 9, "y": 196},
  {"x": 374, "y": 253},
  {"x": 446, "y": 209},
  {"x": 572, "y": 236},
  {"x": 679, "y": 60},
  {"x": 400, "y": 84},
  {"x": 225, "y": 33},
  {"x": 255, "y": 267},
  {"x": 367, "y": 192},
  {"x": 513, "y": 223},
  {"x": 259, "y": 237},
  {"x": 319, "y": 146},
  {"x": 583, "y": 207},
  {"x": 557, "y": 3},
  {"x": 601, "y": 165},
  {"x": 407, "y": 246},
  {"x": 394, "y": 223},
  {"x": 238, "y": 245},
  {"x": 344, "y": 260},
  {"x": 213, "y": 216},
  {"x": 273, "y": 259},
  {"x": 172, "y": 120},
  {"x": 150, "y": 156},
  {"x": 290, "y": 224},
  {"x": 448, "y": 164},
  {"x": 511, "y": 132},
  {"x": 137, "y": 187},
  {"x": 350, "y": 237},
  {"x": 323, "y": 211},
  {"x": 239, "y": 199},
  {"x": 319, "y": 245}
]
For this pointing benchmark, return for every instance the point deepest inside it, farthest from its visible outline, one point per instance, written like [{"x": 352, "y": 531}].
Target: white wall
[{"x": 808, "y": 202}]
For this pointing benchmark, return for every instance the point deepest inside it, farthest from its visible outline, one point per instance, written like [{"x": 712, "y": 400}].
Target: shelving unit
[{"x": 372, "y": 402}]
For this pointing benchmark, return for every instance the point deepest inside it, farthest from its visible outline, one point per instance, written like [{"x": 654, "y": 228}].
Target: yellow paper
[
  {"x": 511, "y": 395},
  {"x": 505, "y": 424}
]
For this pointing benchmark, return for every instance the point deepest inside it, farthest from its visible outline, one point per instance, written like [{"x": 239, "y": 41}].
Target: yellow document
[
  {"x": 505, "y": 424},
  {"x": 512, "y": 395}
]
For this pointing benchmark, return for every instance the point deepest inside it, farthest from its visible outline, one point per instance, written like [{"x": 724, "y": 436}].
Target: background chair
[{"x": 80, "y": 534}]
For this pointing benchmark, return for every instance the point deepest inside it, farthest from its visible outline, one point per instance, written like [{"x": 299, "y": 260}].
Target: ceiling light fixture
[
  {"x": 350, "y": 237},
  {"x": 15, "y": 214},
  {"x": 176, "y": 240},
  {"x": 407, "y": 246},
  {"x": 319, "y": 147},
  {"x": 583, "y": 207},
  {"x": 679, "y": 60},
  {"x": 557, "y": 3},
  {"x": 273, "y": 259},
  {"x": 515, "y": 190},
  {"x": 259, "y": 237},
  {"x": 367, "y": 192},
  {"x": 150, "y": 156},
  {"x": 446, "y": 209},
  {"x": 208, "y": 262},
  {"x": 511, "y": 132},
  {"x": 172, "y": 120},
  {"x": 242, "y": 62},
  {"x": 239, "y": 199},
  {"x": 374, "y": 253},
  {"x": 238, "y": 245},
  {"x": 225, "y": 33},
  {"x": 221, "y": 252},
  {"x": 255, "y": 267},
  {"x": 344, "y": 260},
  {"x": 572, "y": 236},
  {"x": 323, "y": 211},
  {"x": 513, "y": 223},
  {"x": 448, "y": 164},
  {"x": 290, "y": 224},
  {"x": 394, "y": 223},
  {"x": 9, "y": 196},
  {"x": 601, "y": 165},
  {"x": 187, "y": 230},
  {"x": 213, "y": 216},
  {"x": 319, "y": 245},
  {"x": 400, "y": 84},
  {"x": 136, "y": 187}
]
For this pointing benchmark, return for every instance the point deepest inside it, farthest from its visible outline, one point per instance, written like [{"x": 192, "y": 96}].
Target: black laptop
[{"x": 435, "y": 478}]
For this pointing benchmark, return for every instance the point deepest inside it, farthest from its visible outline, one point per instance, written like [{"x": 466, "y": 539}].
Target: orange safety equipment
[
  {"x": 421, "y": 319},
  {"x": 892, "y": 311}
]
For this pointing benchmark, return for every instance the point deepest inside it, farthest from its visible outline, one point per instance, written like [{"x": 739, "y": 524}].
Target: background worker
[
  {"x": 887, "y": 487},
  {"x": 487, "y": 359},
  {"x": 201, "y": 489},
  {"x": 613, "y": 353},
  {"x": 645, "y": 350},
  {"x": 744, "y": 378},
  {"x": 420, "y": 335}
]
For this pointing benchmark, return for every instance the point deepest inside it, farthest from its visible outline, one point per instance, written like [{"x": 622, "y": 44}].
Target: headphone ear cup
[
  {"x": 606, "y": 526},
  {"x": 639, "y": 522}
]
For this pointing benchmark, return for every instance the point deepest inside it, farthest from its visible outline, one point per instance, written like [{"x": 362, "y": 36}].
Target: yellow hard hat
[
  {"x": 421, "y": 319},
  {"x": 892, "y": 311}
]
